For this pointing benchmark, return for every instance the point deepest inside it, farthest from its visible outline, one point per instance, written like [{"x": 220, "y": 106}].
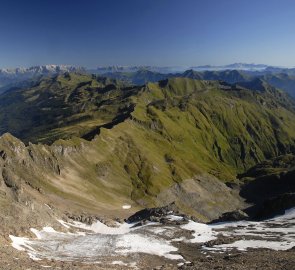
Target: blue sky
[{"x": 146, "y": 32}]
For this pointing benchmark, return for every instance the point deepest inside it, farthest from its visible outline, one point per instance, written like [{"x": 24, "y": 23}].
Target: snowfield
[{"x": 99, "y": 241}]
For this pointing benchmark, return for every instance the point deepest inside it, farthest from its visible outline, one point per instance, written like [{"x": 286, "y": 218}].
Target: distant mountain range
[
  {"x": 283, "y": 78},
  {"x": 238, "y": 66},
  {"x": 38, "y": 70},
  {"x": 18, "y": 77},
  {"x": 283, "y": 81},
  {"x": 51, "y": 69},
  {"x": 113, "y": 69},
  {"x": 175, "y": 69}
]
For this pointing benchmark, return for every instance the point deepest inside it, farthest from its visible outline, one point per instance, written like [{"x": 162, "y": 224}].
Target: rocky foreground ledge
[{"x": 158, "y": 238}]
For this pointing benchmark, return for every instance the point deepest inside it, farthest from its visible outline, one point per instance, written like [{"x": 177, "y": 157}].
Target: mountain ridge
[
  {"x": 95, "y": 101},
  {"x": 278, "y": 76},
  {"x": 114, "y": 149},
  {"x": 283, "y": 81}
]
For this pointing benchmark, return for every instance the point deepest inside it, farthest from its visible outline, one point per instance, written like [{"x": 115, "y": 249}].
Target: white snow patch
[
  {"x": 102, "y": 241},
  {"x": 126, "y": 206},
  {"x": 174, "y": 218},
  {"x": 17, "y": 242},
  {"x": 45, "y": 230},
  {"x": 289, "y": 214},
  {"x": 243, "y": 245},
  {"x": 63, "y": 223},
  {"x": 202, "y": 232},
  {"x": 20, "y": 243},
  {"x": 98, "y": 227},
  {"x": 48, "y": 206},
  {"x": 101, "y": 228},
  {"x": 49, "y": 230},
  {"x": 133, "y": 243},
  {"x": 277, "y": 233},
  {"x": 120, "y": 263}
]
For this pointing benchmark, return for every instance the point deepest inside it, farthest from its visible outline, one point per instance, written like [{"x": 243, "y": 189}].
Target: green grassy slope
[
  {"x": 280, "y": 79},
  {"x": 176, "y": 129},
  {"x": 218, "y": 125},
  {"x": 62, "y": 106}
]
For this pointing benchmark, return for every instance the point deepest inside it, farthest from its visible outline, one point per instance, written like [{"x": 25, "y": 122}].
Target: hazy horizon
[{"x": 139, "y": 65}]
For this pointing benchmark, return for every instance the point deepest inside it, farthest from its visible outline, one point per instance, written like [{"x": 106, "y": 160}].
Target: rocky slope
[
  {"x": 103, "y": 150},
  {"x": 144, "y": 146},
  {"x": 269, "y": 186}
]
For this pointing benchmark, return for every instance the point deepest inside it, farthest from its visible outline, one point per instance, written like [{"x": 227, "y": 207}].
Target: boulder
[{"x": 231, "y": 216}]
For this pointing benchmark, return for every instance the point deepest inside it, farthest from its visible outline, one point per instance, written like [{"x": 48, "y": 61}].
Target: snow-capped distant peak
[{"x": 42, "y": 69}]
